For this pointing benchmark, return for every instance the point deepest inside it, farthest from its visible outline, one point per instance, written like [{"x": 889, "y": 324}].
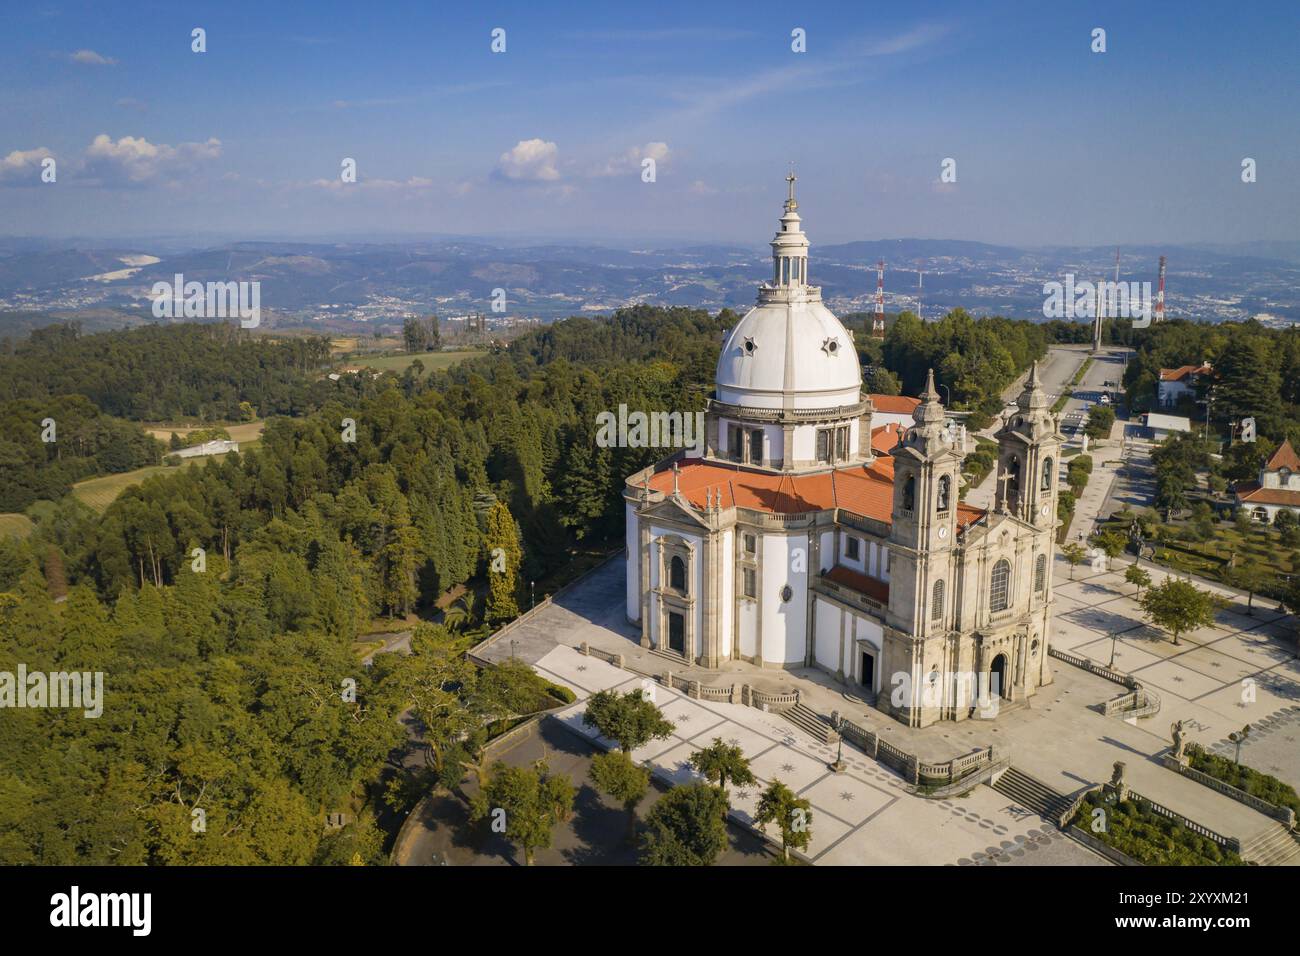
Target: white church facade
[{"x": 804, "y": 538}]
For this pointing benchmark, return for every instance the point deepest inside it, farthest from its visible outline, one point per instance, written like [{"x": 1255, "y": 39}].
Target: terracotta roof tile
[
  {"x": 894, "y": 404},
  {"x": 866, "y": 490},
  {"x": 1284, "y": 457},
  {"x": 1252, "y": 492},
  {"x": 857, "y": 581}
]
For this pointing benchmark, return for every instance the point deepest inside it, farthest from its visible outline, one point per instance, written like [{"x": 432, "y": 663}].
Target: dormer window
[
  {"x": 750, "y": 346},
  {"x": 831, "y": 347}
]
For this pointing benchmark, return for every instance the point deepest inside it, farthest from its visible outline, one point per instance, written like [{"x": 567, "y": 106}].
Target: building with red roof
[
  {"x": 818, "y": 527},
  {"x": 1277, "y": 489}
]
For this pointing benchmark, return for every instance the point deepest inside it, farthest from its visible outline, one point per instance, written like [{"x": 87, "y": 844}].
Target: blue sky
[{"x": 1054, "y": 144}]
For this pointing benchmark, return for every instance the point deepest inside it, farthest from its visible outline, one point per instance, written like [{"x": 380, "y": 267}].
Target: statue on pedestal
[
  {"x": 1180, "y": 741},
  {"x": 1117, "y": 783}
]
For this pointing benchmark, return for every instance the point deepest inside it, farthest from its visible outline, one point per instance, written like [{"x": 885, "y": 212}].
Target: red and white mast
[
  {"x": 878, "y": 325},
  {"x": 1160, "y": 293}
]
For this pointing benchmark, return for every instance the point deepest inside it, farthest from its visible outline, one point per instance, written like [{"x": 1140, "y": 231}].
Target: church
[{"x": 801, "y": 537}]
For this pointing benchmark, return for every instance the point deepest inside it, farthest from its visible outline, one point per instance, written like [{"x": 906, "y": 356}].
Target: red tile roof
[
  {"x": 857, "y": 581},
  {"x": 884, "y": 438},
  {"x": 1284, "y": 457},
  {"x": 894, "y": 404},
  {"x": 866, "y": 490},
  {"x": 1252, "y": 492},
  {"x": 1178, "y": 374}
]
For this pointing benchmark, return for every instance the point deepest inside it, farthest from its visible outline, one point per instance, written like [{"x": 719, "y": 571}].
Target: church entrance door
[
  {"x": 868, "y": 679},
  {"x": 677, "y": 633},
  {"x": 998, "y": 676}
]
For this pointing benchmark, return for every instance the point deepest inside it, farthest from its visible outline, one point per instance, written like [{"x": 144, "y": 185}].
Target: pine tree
[{"x": 504, "y": 556}]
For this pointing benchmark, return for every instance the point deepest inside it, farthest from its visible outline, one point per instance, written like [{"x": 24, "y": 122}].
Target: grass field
[
  {"x": 399, "y": 363},
  {"x": 99, "y": 493},
  {"x": 18, "y": 525},
  {"x": 243, "y": 432}
]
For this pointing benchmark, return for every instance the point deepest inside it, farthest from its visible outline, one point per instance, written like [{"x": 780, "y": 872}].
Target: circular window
[
  {"x": 1034, "y": 646},
  {"x": 787, "y": 593},
  {"x": 750, "y": 346}
]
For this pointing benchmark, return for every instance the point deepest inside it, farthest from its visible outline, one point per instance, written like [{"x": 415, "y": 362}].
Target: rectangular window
[
  {"x": 750, "y": 583},
  {"x": 853, "y": 548},
  {"x": 842, "y": 443},
  {"x": 735, "y": 440},
  {"x": 823, "y": 444},
  {"x": 756, "y": 446},
  {"x": 751, "y": 544}
]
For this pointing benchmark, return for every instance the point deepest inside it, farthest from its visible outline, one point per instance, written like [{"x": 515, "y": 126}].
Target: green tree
[
  {"x": 528, "y": 802},
  {"x": 1138, "y": 577},
  {"x": 504, "y": 556},
  {"x": 614, "y": 773},
  {"x": 792, "y": 815},
  {"x": 631, "y": 720},
  {"x": 1073, "y": 554},
  {"x": 721, "y": 762},
  {"x": 686, "y": 827},
  {"x": 1179, "y": 606},
  {"x": 1250, "y": 576},
  {"x": 1111, "y": 543}
]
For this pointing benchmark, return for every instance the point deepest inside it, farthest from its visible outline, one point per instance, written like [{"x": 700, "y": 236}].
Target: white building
[
  {"x": 796, "y": 541},
  {"x": 1177, "y": 383},
  {"x": 217, "y": 446},
  {"x": 1162, "y": 426},
  {"x": 1278, "y": 487}
]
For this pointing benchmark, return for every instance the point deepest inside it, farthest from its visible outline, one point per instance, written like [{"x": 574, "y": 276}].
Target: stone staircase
[
  {"x": 1274, "y": 847},
  {"x": 1032, "y": 794},
  {"x": 810, "y": 722}
]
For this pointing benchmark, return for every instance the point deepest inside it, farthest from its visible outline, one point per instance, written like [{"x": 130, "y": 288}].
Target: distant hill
[{"x": 335, "y": 284}]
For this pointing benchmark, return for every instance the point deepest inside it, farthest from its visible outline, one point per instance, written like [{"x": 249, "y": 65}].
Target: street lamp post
[
  {"x": 1114, "y": 636},
  {"x": 947, "y": 391},
  {"x": 837, "y": 722}
]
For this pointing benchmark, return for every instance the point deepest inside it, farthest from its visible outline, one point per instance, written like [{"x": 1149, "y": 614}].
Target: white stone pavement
[{"x": 864, "y": 816}]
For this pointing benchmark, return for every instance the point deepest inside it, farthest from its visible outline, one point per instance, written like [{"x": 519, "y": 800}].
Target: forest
[
  {"x": 1256, "y": 372},
  {"x": 222, "y": 601}
]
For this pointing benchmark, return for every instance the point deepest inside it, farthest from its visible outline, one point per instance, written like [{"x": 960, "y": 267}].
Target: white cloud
[
  {"x": 135, "y": 161},
  {"x": 630, "y": 160},
  {"x": 389, "y": 185},
  {"x": 22, "y": 167},
  {"x": 701, "y": 188},
  {"x": 531, "y": 160},
  {"x": 91, "y": 58}
]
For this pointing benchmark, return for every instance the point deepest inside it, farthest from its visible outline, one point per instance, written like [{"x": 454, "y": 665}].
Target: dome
[
  {"x": 789, "y": 351},
  {"x": 795, "y": 350}
]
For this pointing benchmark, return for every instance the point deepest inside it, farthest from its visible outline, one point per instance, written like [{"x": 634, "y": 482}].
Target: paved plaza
[
  {"x": 864, "y": 816},
  {"x": 1242, "y": 670}
]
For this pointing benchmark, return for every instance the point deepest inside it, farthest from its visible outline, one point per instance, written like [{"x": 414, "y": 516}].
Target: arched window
[
  {"x": 1048, "y": 475},
  {"x": 936, "y": 603},
  {"x": 909, "y": 493},
  {"x": 677, "y": 574},
  {"x": 1000, "y": 586},
  {"x": 944, "y": 496},
  {"x": 1040, "y": 573},
  {"x": 1013, "y": 469}
]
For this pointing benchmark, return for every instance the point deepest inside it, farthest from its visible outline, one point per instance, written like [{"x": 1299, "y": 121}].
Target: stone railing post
[
  {"x": 668, "y": 679},
  {"x": 618, "y": 661},
  {"x": 584, "y": 649}
]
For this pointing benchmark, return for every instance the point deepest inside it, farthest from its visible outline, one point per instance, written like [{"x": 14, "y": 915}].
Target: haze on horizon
[{"x": 1054, "y": 144}]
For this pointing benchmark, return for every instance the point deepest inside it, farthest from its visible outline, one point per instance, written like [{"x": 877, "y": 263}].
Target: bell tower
[
  {"x": 927, "y": 470},
  {"x": 1029, "y": 458}
]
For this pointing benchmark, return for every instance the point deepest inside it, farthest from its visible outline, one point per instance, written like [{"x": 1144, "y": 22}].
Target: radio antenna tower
[
  {"x": 878, "y": 324},
  {"x": 1160, "y": 293}
]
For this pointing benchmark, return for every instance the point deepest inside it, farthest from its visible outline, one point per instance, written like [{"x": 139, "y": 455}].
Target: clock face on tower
[
  {"x": 943, "y": 531},
  {"x": 1045, "y": 510}
]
